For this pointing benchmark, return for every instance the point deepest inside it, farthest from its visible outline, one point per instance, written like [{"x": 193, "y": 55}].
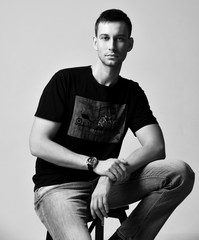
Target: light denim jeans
[{"x": 161, "y": 186}]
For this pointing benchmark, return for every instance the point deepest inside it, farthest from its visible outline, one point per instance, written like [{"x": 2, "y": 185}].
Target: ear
[
  {"x": 95, "y": 43},
  {"x": 131, "y": 43}
]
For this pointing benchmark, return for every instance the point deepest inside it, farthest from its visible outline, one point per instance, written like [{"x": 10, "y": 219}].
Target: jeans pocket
[
  {"x": 37, "y": 198},
  {"x": 38, "y": 206},
  {"x": 38, "y": 195},
  {"x": 38, "y": 203}
]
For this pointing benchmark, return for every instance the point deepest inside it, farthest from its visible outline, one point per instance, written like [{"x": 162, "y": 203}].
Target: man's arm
[
  {"x": 152, "y": 148},
  {"x": 42, "y": 146}
]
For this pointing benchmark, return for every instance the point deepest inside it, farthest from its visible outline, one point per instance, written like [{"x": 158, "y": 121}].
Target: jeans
[{"x": 160, "y": 187}]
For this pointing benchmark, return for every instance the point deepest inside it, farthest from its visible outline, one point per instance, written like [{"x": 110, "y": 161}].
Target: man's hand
[
  {"x": 99, "y": 200},
  {"x": 114, "y": 169}
]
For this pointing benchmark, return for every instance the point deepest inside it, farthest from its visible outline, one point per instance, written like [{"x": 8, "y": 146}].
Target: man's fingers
[
  {"x": 93, "y": 213},
  {"x": 92, "y": 209},
  {"x": 119, "y": 171},
  {"x": 106, "y": 207},
  {"x": 103, "y": 213},
  {"x": 102, "y": 208},
  {"x": 99, "y": 214},
  {"x": 111, "y": 176},
  {"x": 122, "y": 160},
  {"x": 122, "y": 167},
  {"x": 99, "y": 208}
]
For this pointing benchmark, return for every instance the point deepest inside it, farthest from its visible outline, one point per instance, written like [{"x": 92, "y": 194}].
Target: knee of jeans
[{"x": 185, "y": 176}]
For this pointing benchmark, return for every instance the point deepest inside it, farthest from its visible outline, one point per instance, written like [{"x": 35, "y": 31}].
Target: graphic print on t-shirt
[{"x": 97, "y": 121}]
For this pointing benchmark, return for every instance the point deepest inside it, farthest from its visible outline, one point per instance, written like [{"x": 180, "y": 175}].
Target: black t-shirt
[{"x": 94, "y": 119}]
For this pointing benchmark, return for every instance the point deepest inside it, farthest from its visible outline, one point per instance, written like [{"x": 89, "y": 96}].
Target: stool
[{"x": 118, "y": 213}]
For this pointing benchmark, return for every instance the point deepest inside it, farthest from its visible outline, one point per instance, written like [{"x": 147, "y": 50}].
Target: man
[{"x": 81, "y": 121}]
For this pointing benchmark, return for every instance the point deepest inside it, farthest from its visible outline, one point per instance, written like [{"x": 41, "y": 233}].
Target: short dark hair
[{"x": 114, "y": 15}]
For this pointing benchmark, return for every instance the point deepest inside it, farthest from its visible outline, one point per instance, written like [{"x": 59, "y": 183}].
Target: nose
[{"x": 112, "y": 45}]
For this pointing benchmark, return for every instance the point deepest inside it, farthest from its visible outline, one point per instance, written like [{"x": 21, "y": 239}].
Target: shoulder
[
  {"x": 131, "y": 85},
  {"x": 65, "y": 77},
  {"x": 73, "y": 71}
]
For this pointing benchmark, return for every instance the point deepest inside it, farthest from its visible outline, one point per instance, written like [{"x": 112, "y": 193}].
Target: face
[{"x": 112, "y": 43}]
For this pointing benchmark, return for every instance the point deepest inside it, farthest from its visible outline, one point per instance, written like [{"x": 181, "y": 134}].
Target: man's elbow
[
  {"x": 34, "y": 147},
  {"x": 160, "y": 152}
]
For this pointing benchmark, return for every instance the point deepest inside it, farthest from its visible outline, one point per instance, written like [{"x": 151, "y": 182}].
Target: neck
[{"x": 106, "y": 75}]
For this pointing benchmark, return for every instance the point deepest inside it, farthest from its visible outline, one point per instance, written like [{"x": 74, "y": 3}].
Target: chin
[{"x": 112, "y": 63}]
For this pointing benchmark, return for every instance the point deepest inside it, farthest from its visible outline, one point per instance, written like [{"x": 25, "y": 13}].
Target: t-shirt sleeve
[
  {"x": 52, "y": 102},
  {"x": 142, "y": 114}
]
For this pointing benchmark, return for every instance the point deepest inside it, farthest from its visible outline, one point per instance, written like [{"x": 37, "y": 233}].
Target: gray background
[{"x": 42, "y": 36}]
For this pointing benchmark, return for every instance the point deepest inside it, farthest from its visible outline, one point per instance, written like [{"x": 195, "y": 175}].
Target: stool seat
[{"x": 118, "y": 213}]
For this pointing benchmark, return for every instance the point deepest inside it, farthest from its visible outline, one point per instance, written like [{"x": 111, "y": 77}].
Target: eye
[
  {"x": 120, "y": 39},
  {"x": 104, "y": 37}
]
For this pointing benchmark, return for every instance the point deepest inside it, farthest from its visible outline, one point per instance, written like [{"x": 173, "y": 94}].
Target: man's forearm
[
  {"x": 143, "y": 156},
  {"x": 54, "y": 153}
]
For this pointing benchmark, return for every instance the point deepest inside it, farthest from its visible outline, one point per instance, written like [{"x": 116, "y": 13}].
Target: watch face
[{"x": 92, "y": 162}]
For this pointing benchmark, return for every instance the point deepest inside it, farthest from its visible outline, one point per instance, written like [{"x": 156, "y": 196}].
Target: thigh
[
  {"x": 152, "y": 177},
  {"x": 64, "y": 210}
]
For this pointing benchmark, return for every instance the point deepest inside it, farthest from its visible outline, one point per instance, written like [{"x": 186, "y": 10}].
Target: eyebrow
[{"x": 118, "y": 35}]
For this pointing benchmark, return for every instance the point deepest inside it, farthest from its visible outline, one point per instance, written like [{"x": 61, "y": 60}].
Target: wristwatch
[{"x": 91, "y": 163}]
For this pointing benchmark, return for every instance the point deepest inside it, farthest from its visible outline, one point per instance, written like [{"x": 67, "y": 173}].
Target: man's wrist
[
  {"x": 105, "y": 179},
  {"x": 91, "y": 163}
]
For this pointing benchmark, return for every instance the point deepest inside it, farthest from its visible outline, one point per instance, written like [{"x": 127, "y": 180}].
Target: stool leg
[
  {"x": 99, "y": 230},
  {"x": 122, "y": 216},
  {"x": 93, "y": 224},
  {"x": 48, "y": 237}
]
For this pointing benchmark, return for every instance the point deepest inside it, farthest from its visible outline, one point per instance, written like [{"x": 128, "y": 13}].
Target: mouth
[{"x": 111, "y": 55}]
